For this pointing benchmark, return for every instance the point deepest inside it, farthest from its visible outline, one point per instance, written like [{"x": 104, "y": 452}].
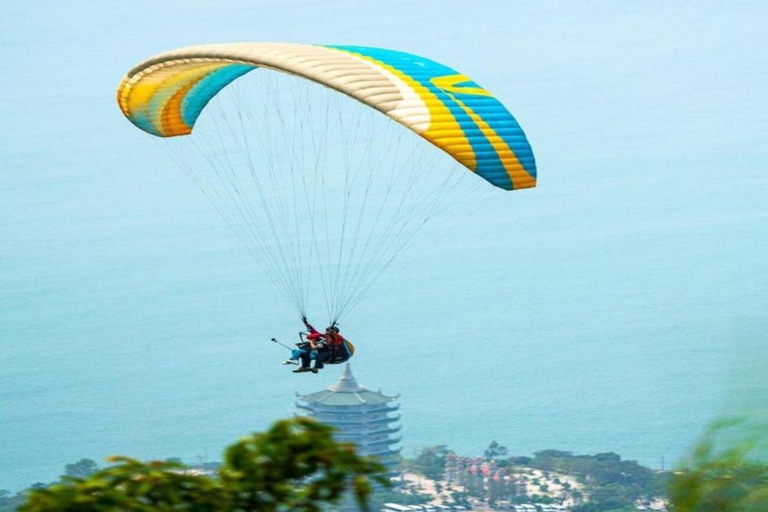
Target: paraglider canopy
[
  {"x": 320, "y": 187},
  {"x": 165, "y": 94}
]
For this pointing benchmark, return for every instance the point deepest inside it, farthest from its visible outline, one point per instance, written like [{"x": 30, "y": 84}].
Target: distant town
[{"x": 438, "y": 479}]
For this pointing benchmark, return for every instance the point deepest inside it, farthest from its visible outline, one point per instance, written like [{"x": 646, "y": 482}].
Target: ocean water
[{"x": 613, "y": 308}]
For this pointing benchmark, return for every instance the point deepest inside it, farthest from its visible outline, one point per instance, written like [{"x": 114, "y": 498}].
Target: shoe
[
  {"x": 313, "y": 370},
  {"x": 288, "y": 361},
  {"x": 302, "y": 369}
]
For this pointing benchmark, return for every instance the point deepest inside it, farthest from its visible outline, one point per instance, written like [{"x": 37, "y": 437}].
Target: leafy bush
[{"x": 295, "y": 465}]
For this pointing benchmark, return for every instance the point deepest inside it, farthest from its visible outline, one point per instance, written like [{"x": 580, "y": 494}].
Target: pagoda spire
[{"x": 347, "y": 382}]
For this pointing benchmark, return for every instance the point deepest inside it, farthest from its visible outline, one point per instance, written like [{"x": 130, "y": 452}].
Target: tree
[
  {"x": 520, "y": 460},
  {"x": 608, "y": 456},
  {"x": 461, "y": 498},
  {"x": 495, "y": 450},
  {"x": 612, "y": 497},
  {"x": 81, "y": 469},
  {"x": 721, "y": 474},
  {"x": 430, "y": 462},
  {"x": 553, "y": 454},
  {"x": 295, "y": 465},
  {"x": 9, "y": 502}
]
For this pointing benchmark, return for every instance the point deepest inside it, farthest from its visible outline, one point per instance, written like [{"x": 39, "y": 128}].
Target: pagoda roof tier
[
  {"x": 384, "y": 452},
  {"x": 385, "y": 442},
  {"x": 367, "y": 421},
  {"x": 359, "y": 410},
  {"x": 385, "y": 419},
  {"x": 355, "y": 422},
  {"x": 388, "y": 440},
  {"x": 390, "y": 430},
  {"x": 364, "y": 428},
  {"x": 367, "y": 433},
  {"x": 346, "y": 392},
  {"x": 361, "y": 436}
]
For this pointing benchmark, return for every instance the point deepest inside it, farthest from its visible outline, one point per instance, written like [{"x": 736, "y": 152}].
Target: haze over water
[{"x": 606, "y": 310}]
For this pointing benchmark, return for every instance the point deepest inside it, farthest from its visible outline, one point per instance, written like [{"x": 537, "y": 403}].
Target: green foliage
[
  {"x": 495, "y": 450},
  {"x": 541, "y": 498},
  {"x": 295, "y": 465},
  {"x": 609, "y": 456},
  {"x": 723, "y": 479},
  {"x": 461, "y": 498},
  {"x": 611, "y": 497},
  {"x": 430, "y": 462},
  {"x": 275, "y": 468},
  {"x": 611, "y": 483},
  {"x": 129, "y": 485},
  {"x": 553, "y": 454},
  {"x": 10, "y": 502},
  {"x": 81, "y": 469}
]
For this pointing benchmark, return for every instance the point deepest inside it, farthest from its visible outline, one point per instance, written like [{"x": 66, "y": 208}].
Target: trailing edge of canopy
[{"x": 164, "y": 96}]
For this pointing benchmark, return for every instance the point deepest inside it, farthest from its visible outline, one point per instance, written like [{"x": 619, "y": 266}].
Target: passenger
[
  {"x": 328, "y": 347},
  {"x": 314, "y": 347}
]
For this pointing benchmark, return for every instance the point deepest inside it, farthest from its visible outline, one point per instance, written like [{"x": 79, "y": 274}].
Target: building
[{"x": 360, "y": 416}]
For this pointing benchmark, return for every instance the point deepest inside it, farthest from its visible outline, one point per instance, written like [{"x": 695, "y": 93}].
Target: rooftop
[{"x": 346, "y": 392}]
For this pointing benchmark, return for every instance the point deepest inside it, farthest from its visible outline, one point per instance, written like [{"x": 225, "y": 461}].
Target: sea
[{"x": 619, "y": 306}]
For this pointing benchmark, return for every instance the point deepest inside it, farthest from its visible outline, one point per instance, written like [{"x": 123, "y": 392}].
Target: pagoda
[{"x": 359, "y": 415}]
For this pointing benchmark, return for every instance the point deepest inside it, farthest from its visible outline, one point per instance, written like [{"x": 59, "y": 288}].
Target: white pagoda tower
[{"x": 359, "y": 415}]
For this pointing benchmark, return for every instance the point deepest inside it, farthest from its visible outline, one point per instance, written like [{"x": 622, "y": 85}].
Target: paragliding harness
[
  {"x": 333, "y": 351},
  {"x": 339, "y": 350},
  {"x": 339, "y": 353}
]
